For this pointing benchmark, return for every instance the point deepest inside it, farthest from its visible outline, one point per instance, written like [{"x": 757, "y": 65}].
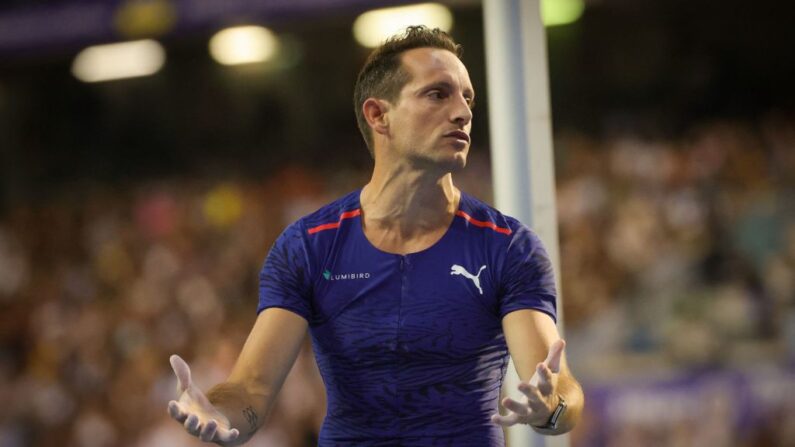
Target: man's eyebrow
[
  {"x": 449, "y": 86},
  {"x": 437, "y": 84}
]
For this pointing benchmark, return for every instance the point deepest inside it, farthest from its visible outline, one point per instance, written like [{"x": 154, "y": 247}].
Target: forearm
[
  {"x": 250, "y": 391},
  {"x": 245, "y": 409}
]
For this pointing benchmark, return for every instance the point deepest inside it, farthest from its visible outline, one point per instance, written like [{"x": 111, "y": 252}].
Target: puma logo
[{"x": 458, "y": 270}]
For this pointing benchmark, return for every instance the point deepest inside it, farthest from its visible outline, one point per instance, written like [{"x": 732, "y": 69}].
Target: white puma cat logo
[{"x": 458, "y": 270}]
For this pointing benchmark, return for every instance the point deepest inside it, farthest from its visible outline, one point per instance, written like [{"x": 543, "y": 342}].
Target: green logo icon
[{"x": 327, "y": 274}]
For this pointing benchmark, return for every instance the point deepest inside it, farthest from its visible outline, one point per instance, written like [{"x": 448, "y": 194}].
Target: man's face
[{"x": 431, "y": 121}]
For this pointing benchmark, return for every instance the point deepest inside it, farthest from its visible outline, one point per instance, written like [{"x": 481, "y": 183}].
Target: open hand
[
  {"x": 195, "y": 412},
  {"x": 540, "y": 398}
]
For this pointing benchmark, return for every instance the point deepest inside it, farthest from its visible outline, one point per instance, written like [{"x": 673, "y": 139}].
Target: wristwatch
[{"x": 552, "y": 423}]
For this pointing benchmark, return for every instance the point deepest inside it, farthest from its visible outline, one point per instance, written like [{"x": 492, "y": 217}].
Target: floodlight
[
  {"x": 119, "y": 60},
  {"x": 373, "y": 27},
  {"x": 243, "y": 45},
  {"x": 561, "y": 12}
]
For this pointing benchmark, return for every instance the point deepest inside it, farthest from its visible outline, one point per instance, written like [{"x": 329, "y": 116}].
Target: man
[{"x": 414, "y": 292}]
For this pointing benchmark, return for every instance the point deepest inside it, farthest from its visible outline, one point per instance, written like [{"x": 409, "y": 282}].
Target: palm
[
  {"x": 193, "y": 410},
  {"x": 537, "y": 403}
]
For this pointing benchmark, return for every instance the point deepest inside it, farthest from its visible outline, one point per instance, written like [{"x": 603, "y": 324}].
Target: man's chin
[
  {"x": 450, "y": 162},
  {"x": 457, "y": 164},
  {"x": 459, "y": 160}
]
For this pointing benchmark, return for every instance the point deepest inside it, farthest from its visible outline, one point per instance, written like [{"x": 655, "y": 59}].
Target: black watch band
[{"x": 552, "y": 423}]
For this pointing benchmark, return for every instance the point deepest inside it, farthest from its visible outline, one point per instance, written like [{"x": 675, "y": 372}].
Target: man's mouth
[{"x": 458, "y": 134}]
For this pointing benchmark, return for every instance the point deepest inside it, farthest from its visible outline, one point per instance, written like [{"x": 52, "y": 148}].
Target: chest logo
[
  {"x": 342, "y": 276},
  {"x": 458, "y": 270}
]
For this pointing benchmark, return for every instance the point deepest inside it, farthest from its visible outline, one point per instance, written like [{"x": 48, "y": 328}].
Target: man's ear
[{"x": 376, "y": 113}]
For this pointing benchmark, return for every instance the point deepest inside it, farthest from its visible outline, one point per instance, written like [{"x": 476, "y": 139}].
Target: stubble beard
[{"x": 438, "y": 160}]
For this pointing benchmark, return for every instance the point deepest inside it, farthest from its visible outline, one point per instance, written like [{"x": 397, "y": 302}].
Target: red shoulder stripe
[
  {"x": 329, "y": 226},
  {"x": 482, "y": 224}
]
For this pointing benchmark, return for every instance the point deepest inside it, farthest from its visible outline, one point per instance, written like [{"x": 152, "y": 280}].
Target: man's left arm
[{"x": 537, "y": 352}]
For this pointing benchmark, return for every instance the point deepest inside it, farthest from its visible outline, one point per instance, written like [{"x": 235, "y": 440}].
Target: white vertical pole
[{"x": 521, "y": 144}]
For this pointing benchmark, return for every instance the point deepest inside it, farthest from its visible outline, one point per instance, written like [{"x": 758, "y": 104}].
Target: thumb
[
  {"x": 182, "y": 371},
  {"x": 555, "y": 353}
]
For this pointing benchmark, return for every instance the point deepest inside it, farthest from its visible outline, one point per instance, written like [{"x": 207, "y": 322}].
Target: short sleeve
[
  {"x": 284, "y": 279},
  {"x": 528, "y": 279}
]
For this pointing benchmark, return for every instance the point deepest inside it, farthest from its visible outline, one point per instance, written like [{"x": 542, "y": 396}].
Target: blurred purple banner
[
  {"x": 63, "y": 25},
  {"x": 725, "y": 408}
]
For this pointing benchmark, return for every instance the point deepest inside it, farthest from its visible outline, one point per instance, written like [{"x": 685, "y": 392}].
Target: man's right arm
[{"x": 247, "y": 396}]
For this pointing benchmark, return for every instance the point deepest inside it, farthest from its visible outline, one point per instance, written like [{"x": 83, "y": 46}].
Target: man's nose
[{"x": 462, "y": 114}]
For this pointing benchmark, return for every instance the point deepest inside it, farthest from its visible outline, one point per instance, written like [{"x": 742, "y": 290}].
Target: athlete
[{"x": 414, "y": 292}]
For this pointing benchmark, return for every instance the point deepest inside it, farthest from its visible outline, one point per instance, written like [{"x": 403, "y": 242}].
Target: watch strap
[{"x": 552, "y": 423}]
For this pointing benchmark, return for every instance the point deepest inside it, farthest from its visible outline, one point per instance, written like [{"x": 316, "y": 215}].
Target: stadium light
[
  {"x": 119, "y": 60},
  {"x": 243, "y": 45},
  {"x": 373, "y": 27},
  {"x": 561, "y": 12}
]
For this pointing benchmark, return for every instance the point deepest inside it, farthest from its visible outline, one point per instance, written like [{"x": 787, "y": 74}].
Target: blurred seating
[{"x": 675, "y": 254}]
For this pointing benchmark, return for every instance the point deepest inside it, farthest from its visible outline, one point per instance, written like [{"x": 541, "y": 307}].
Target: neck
[{"x": 409, "y": 201}]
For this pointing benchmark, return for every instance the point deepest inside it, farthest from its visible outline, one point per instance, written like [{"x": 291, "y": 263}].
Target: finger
[
  {"x": 181, "y": 370},
  {"x": 225, "y": 435},
  {"x": 208, "y": 431},
  {"x": 192, "y": 424},
  {"x": 176, "y": 411},
  {"x": 545, "y": 379},
  {"x": 507, "y": 420},
  {"x": 537, "y": 406},
  {"x": 527, "y": 389},
  {"x": 534, "y": 398},
  {"x": 555, "y": 354},
  {"x": 517, "y": 407},
  {"x": 534, "y": 379}
]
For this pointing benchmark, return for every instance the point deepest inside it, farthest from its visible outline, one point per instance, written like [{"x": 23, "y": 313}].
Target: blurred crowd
[
  {"x": 680, "y": 248},
  {"x": 100, "y": 285},
  {"x": 676, "y": 253}
]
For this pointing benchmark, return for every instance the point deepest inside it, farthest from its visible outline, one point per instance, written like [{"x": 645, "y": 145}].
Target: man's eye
[{"x": 436, "y": 94}]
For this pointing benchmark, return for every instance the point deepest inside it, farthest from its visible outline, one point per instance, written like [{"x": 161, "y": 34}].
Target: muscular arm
[
  {"x": 249, "y": 393},
  {"x": 530, "y": 335}
]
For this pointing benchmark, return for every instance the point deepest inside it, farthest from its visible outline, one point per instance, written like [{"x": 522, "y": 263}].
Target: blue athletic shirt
[{"x": 410, "y": 347}]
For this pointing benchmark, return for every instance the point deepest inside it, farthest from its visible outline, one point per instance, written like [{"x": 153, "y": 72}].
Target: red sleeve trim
[
  {"x": 482, "y": 224},
  {"x": 329, "y": 226}
]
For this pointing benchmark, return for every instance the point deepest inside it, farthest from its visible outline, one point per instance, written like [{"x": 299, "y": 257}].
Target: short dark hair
[{"x": 383, "y": 75}]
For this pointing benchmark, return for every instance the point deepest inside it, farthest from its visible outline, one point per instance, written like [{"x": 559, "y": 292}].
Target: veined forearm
[{"x": 246, "y": 410}]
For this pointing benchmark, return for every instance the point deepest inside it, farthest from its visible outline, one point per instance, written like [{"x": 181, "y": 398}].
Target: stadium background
[{"x": 135, "y": 214}]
